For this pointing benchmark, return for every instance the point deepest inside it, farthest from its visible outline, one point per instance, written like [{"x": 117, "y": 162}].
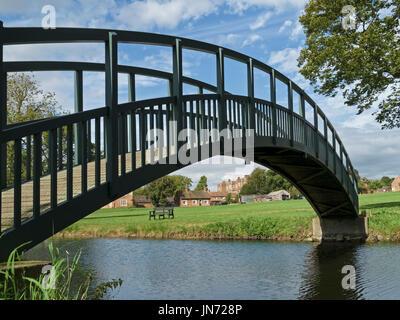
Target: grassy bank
[{"x": 281, "y": 220}]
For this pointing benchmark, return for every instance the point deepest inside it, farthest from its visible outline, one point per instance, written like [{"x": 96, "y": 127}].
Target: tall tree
[
  {"x": 202, "y": 184},
  {"x": 159, "y": 190},
  {"x": 26, "y": 101},
  {"x": 363, "y": 62},
  {"x": 386, "y": 181},
  {"x": 256, "y": 184}
]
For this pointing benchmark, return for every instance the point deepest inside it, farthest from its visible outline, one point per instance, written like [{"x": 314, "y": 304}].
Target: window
[
  {"x": 184, "y": 202},
  {"x": 194, "y": 202},
  {"x": 205, "y": 201},
  {"x": 124, "y": 203}
]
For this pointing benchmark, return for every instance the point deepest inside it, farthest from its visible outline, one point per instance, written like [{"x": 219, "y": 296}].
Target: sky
[{"x": 267, "y": 30}]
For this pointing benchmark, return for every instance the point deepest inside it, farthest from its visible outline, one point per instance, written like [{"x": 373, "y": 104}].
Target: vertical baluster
[
  {"x": 84, "y": 157},
  {"x": 180, "y": 109},
  {"x": 160, "y": 126},
  {"x": 291, "y": 120},
  {"x": 316, "y": 136},
  {"x": 111, "y": 62},
  {"x": 133, "y": 140},
  {"x": 17, "y": 183},
  {"x": 97, "y": 168},
  {"x": 69, "y": 162},
  {"x": 273, "y": 105},
  {"x": 326, "y": 140},
  {"x": 89, "y": 140},
  {"x": 37, "y": 172},
  {"x": 198, "y": 114},
  {"x": 53, "y": 167},
  {"x": 191, "y": 121},
  {"x": 132, "y": 98},
  {"x": 60, "y": 148},
  {"x": 28, "y": 158},
  {"x": 122, "y": 138},
  {"x": 143, "y": 122},
  {"x": 78, "y": 107}
]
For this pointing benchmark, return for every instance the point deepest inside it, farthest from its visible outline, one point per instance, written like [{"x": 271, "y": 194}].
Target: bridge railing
[{"x": 73, "y": 134}]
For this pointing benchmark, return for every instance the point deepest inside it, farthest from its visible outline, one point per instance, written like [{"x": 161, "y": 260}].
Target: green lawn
[{"x": 283, "y": 220}]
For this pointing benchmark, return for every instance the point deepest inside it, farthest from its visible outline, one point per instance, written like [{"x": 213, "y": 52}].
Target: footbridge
[{"x": 55, "y": 171}]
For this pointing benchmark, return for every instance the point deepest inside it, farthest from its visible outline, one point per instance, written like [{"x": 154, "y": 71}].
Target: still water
[{"x": 184, "y": 269}]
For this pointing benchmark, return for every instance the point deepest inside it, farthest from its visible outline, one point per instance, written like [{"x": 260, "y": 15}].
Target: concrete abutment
[{"x": 340, "y": 229}]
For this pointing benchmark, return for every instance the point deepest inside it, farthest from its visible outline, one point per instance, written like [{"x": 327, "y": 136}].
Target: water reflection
[
  {"x": 185, "y": 269},
  {"x": 322, "y": 276}
]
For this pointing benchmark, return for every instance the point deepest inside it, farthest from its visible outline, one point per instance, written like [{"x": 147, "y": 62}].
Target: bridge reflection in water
[{"x": 322, "y": 275}]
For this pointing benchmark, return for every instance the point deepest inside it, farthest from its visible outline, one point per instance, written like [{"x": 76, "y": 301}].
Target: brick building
[
  {"x": 123, "y": 202},
  {"x": 232, "y": 186},
  {"x": 396, "y": 184},
  {"x": 216, "y": 197},
  {"x": 190, "y": 198}
]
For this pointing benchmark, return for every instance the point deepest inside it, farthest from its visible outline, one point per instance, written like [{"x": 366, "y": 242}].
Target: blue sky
[{"x": 267, "y": 30}]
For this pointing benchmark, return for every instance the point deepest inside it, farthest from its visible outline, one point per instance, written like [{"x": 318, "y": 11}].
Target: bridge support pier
[{"x": 340, "y": 229}]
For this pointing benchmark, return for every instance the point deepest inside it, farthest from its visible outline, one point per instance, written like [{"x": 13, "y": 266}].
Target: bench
[{"x": 161, "y": 212}]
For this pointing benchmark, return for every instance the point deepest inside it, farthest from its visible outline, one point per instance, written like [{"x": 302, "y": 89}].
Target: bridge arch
[{"x": 79, "y": 181}]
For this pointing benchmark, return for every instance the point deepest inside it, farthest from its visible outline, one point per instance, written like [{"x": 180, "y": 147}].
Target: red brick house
[
  {"x": 216, "y": 197},
  {"x": 194, "y": 198},
  {"x": 396, "y": 184},
  {"x": 123, "y": 202}
]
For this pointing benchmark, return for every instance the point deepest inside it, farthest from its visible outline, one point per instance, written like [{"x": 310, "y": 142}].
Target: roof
[
  {"x": 216, "y": 194},
  {"x": 144, "y": 199},
  {"x": 275, "y": 193},
  {"x": 195, "y": 195},
  {"x": 141, "y": 198}
]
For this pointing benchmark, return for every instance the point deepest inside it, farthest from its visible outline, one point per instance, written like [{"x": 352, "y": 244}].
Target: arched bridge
[{"x": 56, "y": 171}]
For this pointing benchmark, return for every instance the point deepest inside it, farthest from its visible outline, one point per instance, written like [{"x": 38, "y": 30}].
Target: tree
[
  {"x": 386, "y": 181},
  {"x": 202, "y": 184},
  {"x": 159, "y": 190},
  {"x": 26, "y": 101},
  {"x": 276, "y": 182},
  {"x": 256, "y": 184},
  {"x": 374, "y": 184},
  {"x": 364, "y": 62},
  {"x": 294, "y": 192}
]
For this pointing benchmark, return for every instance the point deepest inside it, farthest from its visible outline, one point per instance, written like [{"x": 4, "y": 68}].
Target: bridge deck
[{"x": 7, "y": 204}]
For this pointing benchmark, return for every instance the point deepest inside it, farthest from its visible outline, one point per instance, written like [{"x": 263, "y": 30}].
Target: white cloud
[
  {"x": 285, "y": 60},
  {"x": 261, "y": 20},
  {"x": 296, "y": 31},
  {"x": 250, "y": 40},
  {"x": 164, "y": 14},
  {"x": 286, "y": 24},
  {"x": 238, "y": 6}
]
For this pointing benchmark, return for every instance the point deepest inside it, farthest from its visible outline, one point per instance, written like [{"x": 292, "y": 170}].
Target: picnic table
[{"x": 161, "y": 212}]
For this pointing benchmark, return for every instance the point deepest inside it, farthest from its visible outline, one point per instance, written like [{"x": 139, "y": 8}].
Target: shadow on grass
[
  {"x": 112, "y": 217},
  {"x": 381, "y": 205}
]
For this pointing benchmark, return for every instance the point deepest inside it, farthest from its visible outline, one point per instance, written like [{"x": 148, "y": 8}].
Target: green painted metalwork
[{"x": 123, "y": 161}]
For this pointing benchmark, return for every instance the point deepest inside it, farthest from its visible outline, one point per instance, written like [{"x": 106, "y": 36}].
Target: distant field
[{"x": 280, "y": 220}]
